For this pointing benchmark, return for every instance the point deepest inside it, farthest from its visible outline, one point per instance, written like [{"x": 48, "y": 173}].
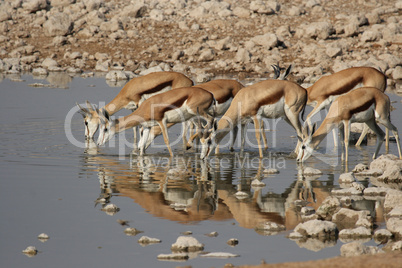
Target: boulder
[
  {"x": 317, "y": 228},
  {"x": 187, "y": 243},
  {"x": 347, "y": 218},
  {"x": 58, "y": 24},
  {"x": 328, "y": 208},
  {"x": 358, "y": 249},
  {"x": 32, "y": 6}
]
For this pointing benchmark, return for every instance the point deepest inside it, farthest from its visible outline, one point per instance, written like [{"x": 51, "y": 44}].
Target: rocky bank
[{"x": 201, "y": 38}]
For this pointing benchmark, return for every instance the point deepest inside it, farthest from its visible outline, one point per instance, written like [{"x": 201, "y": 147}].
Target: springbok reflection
[{"x": 188, "y": 190}]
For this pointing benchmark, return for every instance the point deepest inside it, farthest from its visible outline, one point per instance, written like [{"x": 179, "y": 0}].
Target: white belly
[
  {"x": 179, "y": 115},
  {"x": 363, "y": 116},
  {"x": 275, "y": 110},
  {"x": 221, "y": 108},
  {"x": 147, "y": 96}
]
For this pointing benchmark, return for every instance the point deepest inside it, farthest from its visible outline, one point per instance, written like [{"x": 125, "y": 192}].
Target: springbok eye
[
  {"x": 303, "y": 147},
  {"x": 105, "y": 129},
  {"x": 86, "y": 123},
  {"x": 209, "y": 142}
]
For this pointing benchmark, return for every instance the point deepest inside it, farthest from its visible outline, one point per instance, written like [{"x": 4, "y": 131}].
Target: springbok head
[{"x": 91, "y": 119}]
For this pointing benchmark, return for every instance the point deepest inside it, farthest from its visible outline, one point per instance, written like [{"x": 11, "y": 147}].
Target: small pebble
[
  {"x": 212, "y": 234},
  {"x": 43, "y": 237},
  {"x": 232, "y": 242},
  {"x": 30, "y": 251},
  {"x": 148, "y": 240},
  {"x": 131, "y": 231}
]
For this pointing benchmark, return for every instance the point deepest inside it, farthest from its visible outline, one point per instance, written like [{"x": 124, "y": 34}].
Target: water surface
[{"x": 53, "y": 184}]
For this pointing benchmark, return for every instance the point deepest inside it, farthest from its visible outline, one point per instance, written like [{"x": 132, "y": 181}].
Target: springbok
[
  {"x": 171, "y": 107},
  {"x": 366, "y": 105},
  {"x": 132, "y": 95},
  {"x": 270, "y": 99},
  {"x": 328, "y": 88}
]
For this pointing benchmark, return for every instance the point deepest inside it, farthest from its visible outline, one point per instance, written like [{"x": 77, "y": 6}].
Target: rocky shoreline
[{"x": 201, "y": 39}]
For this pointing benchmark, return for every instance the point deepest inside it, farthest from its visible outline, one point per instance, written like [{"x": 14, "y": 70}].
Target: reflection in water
[{"x": 187, "y": 190}]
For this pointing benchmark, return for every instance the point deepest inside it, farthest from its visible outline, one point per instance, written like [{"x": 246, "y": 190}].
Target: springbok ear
[
  {"x": 313, "y": 129},
  {"x": 215, "y": 125},
  {"x": 84, "y": 112},
  {"x": 89, "y": 105},
  {"x": 106, "y": 114},
  {"x": 287, "y": 72},
  {"x": 299, "y": 138},
  {"x": 277, "y": 71}
]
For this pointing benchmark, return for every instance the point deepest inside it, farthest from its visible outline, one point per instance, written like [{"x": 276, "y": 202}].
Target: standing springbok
[
  {"x": 365, "y": 104},
  {"x": 328, "y": 88},
  {"x": 174, "y": 106},
  {"x": 224, "y": 90},
  {"x": 132, "y": 95},
  {"x": 269, "y": 98}
]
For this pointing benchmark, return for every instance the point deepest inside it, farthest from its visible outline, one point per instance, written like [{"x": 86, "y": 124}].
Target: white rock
[
  {"x": 347, "y": 191},
  {"x": 34, "y": 5},
  {"x": 116, "y": 76},
  {"x": 58, "y": 24},
  {"x": 187, "y": 243},
  {"x": 396, "y": 212},
  {"x": 397, "y": 73},
  {"x": 148, "y": 240},
  {"x": 270, "y": 226},
  {"x": 110, "y": 208},
  {"x": 371, "y": 36},
  {"x": 232, "y": 242},
  {"x": 349, "y": 217},
  {"x": 328, "y": 207},
  {"x": 43, "y": 236},
  {"x": 358, "y": 249},
  {"x": 39, "y": 71},
  {"x": 257, "y": 183},
  {"x": 207, "y": 55},
  {"x": 49, "y": 63},
  {"x": 268, "y": 40},
  {"x": 271, "y": 171},
  {"x": 393, "y": 198},
  {"x": 30, "y": 251},
  {"x": 173, "y": 256},
  {"x": 220, "y": 255},
  {"x": 394, "y": 225},
  {"x": 382, "y": 235},
  {"x": 319, "y": 30},
  {"x": 347, "y": 178},
  {"x": 307, "y": 211},
  {"x": 130, "y": 231},
  {"x": 242, "y": 55},
  {"x": 93, "y": 4},
  {"x": 317, "y": 228},
  {"x": 309, "y": 171},
  {"x": 358, "y": 232}
]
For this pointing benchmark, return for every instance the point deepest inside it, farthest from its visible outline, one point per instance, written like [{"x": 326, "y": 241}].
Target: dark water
[{"x": 52, "y": 184}]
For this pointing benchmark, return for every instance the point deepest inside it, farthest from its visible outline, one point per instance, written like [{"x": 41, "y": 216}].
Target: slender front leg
[
  {"x": 264, "y": 137},
  {"x": 185, "y": 126},
  {"x": 386, "y": 140},
  {"x": 362, "y": 135},
  {"x": 335, "y": 135},
  {"x": 234, "y": 136},
  {"x": 257, "y": 126},
  {"x": 347, "y": 133},
  {"x": 165, "y": 135},
  {"x": 135, "y": 138},
  {"x": 379, "y": 133},
  {"x": 143, "y": 140},
  {"x": 342, "y": 139},
  {"x": 243, "y": 137}
]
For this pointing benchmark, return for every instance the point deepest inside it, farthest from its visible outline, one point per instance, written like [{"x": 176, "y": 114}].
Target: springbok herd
[{"x": 161, "y": 99}]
